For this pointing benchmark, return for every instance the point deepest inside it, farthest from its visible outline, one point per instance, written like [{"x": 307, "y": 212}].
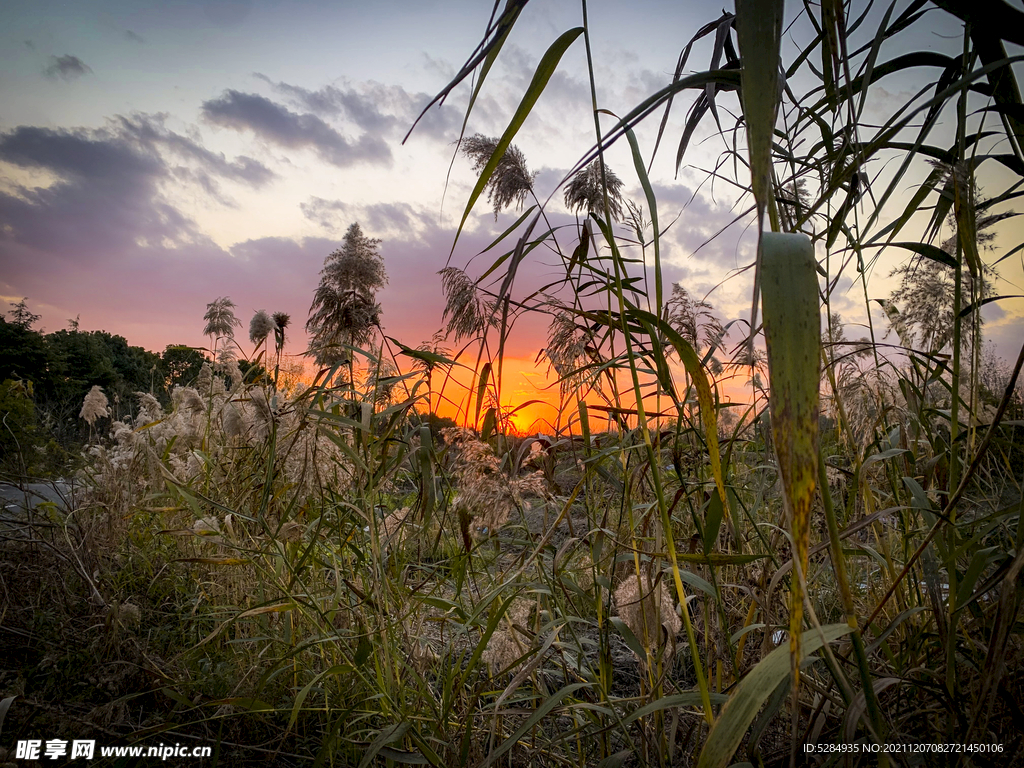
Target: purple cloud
[
  {"x": 150, "y": 132},
  {"x": 325, "y": 213},
  {"x": 279, "y": 125},
  {"x": 107, "y": 192},
  {"x": 374, "y": 107}
]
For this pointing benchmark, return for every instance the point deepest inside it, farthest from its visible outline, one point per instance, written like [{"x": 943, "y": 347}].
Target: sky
[{"x": 156, "y": 155}]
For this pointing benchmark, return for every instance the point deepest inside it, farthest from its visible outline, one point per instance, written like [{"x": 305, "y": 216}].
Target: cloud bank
[{"x": 278, "y": 125}]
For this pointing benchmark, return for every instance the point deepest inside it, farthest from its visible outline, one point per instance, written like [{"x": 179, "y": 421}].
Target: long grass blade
[
  {"x": 792, "y": 335},
  {"x": 759, "y": 29}
]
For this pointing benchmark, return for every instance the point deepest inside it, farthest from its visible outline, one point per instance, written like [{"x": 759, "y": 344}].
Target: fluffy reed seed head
[
  {"x": 260, "y": 327},
  {"x": 507, "y": 643},
  {"x": 649, "y": 612},
  {"x": 204, "y": 381},
  {"x": 585, "y": 192},
  {"x": 231, "y": 421},
  {"x": 227, "y": 364},
  {"x": 220, "y": 318},
  {"x": 94, "y": 406},
  {"x": 566, "y": 350},
  {"x": 281, "y": 319},
  {"x": 511, "y": 180},
  {"x": 187, "y": 398},
  {"x": 466, "y": 309},
  {"x": 694, "y": 319},
  {"x": 486, "y": 493},
  {"x": 344, "y": 310},
  {"x": 149, "y": 408},
  {"x": 281, "y": 322}
]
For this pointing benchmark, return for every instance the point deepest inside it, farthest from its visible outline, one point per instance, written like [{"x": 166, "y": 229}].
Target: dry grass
[{"x": 313, "y": 575}]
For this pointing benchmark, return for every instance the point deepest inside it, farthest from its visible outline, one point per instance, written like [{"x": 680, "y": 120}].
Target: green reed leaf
[
  {"x": 932, "y": 252},
  {"x": 337, "y": 669},
  {"x": 705, "y": 398},
  {"x": 751, "y": 693},
  {"x": 392, "y": 733},
  {"x": 759, "y": 30},
  {"x": 546, "y": 68},
  {"x": 685, "y": 699},
  {"x": 549, "y": 703},
  {"x": 486, "y": 54},
  {"x": 792, "y": 330}
]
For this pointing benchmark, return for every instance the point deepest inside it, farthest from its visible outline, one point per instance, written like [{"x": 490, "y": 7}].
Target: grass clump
[{"x": 663, "y": 578}]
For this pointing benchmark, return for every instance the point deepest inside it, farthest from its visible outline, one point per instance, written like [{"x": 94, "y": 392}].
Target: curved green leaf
[
  {"x": 486, "y": 53},
  {"x": 392, "y": 733},
  {"x": 705, "y": 398},
  {"x": 423, "y": 355},
  {"x": 759, "y": 30},
  {"x": 752, "y": 691},
  {"x": 337, "y": 669},
  {"x": 978, "y": 304},
  {"x": 686, "y": 699},
  {"x": 549, "y": 703},
  {"x": 546, "y": 68},
  {"x": 792, "y": 332},
  {"x": 652, "y": 207},
  {"x": 929, "y": 252}
]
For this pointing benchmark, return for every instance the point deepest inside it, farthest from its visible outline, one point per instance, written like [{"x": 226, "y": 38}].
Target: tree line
[{"x": 44, "y": 377}]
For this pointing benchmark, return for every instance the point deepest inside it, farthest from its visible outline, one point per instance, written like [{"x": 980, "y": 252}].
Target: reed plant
[{"x": 324, "y": 578}]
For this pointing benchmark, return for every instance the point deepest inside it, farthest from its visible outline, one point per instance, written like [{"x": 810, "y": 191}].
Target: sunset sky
[{"x": 156, "y": 155}]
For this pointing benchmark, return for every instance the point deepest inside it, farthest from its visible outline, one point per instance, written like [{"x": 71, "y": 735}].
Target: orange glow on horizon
[
  {"x": 526, "y": 390},
  {"x": 531, "y": 394}
]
